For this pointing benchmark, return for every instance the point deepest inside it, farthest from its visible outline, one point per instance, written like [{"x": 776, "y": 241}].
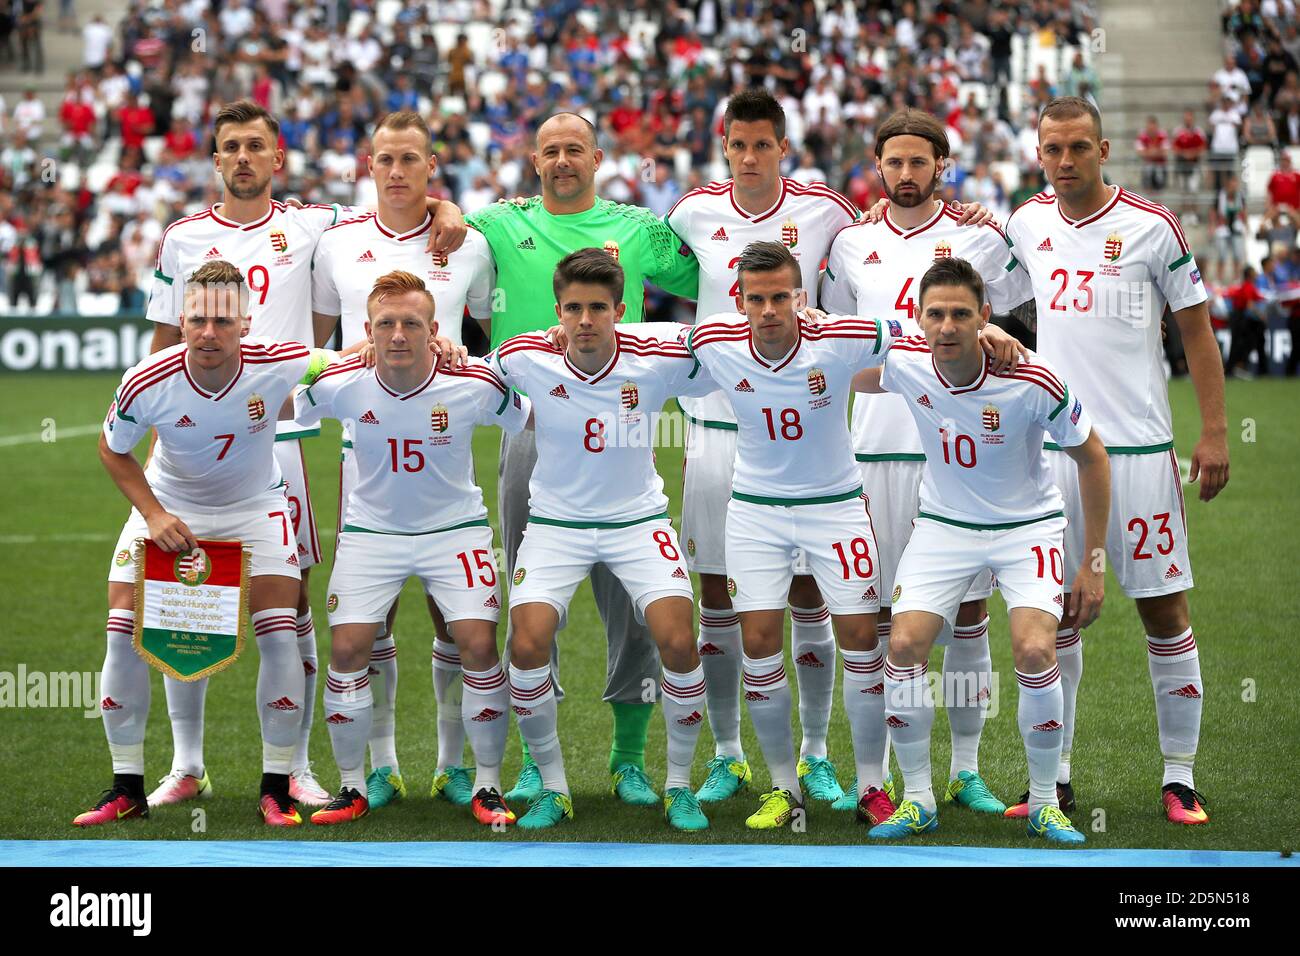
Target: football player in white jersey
[
  {"x": 1105, "y": 263},
  {"x": 414, "y": 511},
  {"x": 349, "y": 258},
  {"x": 595, "y": 498},
  {"x": 987, "y": 503},
  {"x": 272, "y": 243},
  {"x": 875, "y": 269},
  {"x": 212, "y": 474},
  {"x": 797, "y": 497},
  {"x": 717, "y": 221}
]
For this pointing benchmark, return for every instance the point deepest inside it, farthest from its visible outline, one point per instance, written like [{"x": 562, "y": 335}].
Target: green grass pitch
[{"x": 62, "y": 515}]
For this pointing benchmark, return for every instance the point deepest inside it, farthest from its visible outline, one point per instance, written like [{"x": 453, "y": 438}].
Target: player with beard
[{"x": 874, "y": 270}]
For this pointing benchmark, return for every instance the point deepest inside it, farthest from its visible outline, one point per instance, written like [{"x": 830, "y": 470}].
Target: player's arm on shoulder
[
  {"x": 868, "y": 380},
  {"x": 672, "y": 265},
  {"x": 1205, "y": 364},
  {"x": 1088, "y": 589},
  {"x": 322, "y": 327},
  {"x": 1002, "y": 347},
  {"x": 448, "y": 230}
]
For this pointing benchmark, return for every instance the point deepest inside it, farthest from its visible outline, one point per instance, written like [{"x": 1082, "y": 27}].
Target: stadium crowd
[{"x": 85, "y": 194}]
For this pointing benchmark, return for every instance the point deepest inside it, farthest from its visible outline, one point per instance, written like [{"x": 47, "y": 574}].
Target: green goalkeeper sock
[{"x": 631, "y": 724}]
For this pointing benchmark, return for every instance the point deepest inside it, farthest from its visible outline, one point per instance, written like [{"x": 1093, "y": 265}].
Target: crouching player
[
  {"x": 213, "y": 474},
  {"x": 595, "y": 498},
  {"x": 415, "y": 511},
  {"x": 987, "y": 502}
]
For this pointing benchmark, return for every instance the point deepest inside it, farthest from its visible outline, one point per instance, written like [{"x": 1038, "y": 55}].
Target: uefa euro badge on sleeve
[{"x": 190, "y": 607}]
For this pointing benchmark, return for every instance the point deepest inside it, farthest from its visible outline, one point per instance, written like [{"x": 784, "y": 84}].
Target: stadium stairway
[
  {"x": 63, "y": 53},
  {"x": 1156, "y": 57}
]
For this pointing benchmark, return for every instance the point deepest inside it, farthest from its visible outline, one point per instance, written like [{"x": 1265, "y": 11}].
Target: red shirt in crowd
[
  {"x": 1243, "y": 295},
  {"x": 1189, "y": 140},
  {"x": 182, "y": 144},
  {"x": 77, "y": 117},
  {"x": 137, "y": 123},
  {"x": 1157, "y": 140},
  {"x": 1284, "y": 188}
]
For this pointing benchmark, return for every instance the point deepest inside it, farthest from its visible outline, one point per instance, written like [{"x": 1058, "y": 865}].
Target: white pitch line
[
  {"x": 53, "y": 538},
  {"x": 32, "y": 438}
]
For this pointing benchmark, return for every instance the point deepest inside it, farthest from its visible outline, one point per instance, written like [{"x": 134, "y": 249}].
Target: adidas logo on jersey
[
  {"x": 872, "y": 260},
  {"x": 213, "y": 253},
  {"x": 875, "y": 689},
  {"x": 924, "y": 402},
  {"x": 896, "y": 722},
  {"x": 492, "y": 601},
  {"x": 744, "y": 386},
  {"x": 1045, "y": 245},
  {"x": 755, "y": 695},
  {"x": 559, "y": 392},
  {"x": 808, "y": 660},
  {"x": 284, "y": 703},
  {"x": 366, "y": 256},
  {"x": 486, "y": 714},
  {"x": 338, "y": 719},
  {"x": 1173, "y": 572},
  {"x": 678, "y": 573},
  {"x": 109, "y": 703},
  {"x": 184, "y": 422},
  {"x": 709, "y": 649},
  {"x": 1189, "y": 691},
  {"x": 720, "y": 235},
  {"x": 1048, "y": 725},
  {"x": 691, "y": 719},
  {"x": 368, "y": 418},
  {"x": 527, "y": 244}
]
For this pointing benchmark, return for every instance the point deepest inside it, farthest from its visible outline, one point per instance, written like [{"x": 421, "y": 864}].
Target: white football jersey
[
  {"x": 875, "y": 269},
  {"x": 983, "y": 442},
  {"x": 414, "y": 450},
  {"x": 274, "y": 253},
  {"x": 717, "y": 229},
  {"x": 356, "y": 252},
  {"x": 1101, "y": 285},
  {"x": 213, "y": 448},
  {"x": 595, "y": 433},
  {"x": 793, "y": 444}
]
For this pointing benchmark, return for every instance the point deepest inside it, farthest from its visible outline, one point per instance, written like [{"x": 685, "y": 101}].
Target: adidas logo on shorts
[
  {"x": 744, "y": 386},
  {"x": 284, "y": 703},
  {"x": 369, "y": 418},
  {"x": 491, "y": 602},
  {"x": 1056, "y": 599},
  {"x": 755, "y": 695},
  {"x": 1173, "y": 572},
  {"x": 559, "y": 392},
  {"x": 678, "y": 573},
  {"x": 1189, "y": 691},
  {"x": 808, "y": 660},
  {"x": 486, "y": 714},
  {"x": 870, "y": 593},
  {"x": 1048, "y": 725},
  {"x": 338, "y": 719},
  {"x": 896, "y": 722},
  {"x": 708, "y": 649},
  {"x": 292, "y": 559},
  {"x": 691, "y": 719}
]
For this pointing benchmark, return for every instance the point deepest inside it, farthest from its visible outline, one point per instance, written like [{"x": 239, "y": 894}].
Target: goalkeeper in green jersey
[{"x": 528, "y": 238}]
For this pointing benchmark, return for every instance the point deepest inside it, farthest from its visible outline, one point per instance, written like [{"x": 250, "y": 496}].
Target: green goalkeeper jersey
[{"x": 528, "y": 242}]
